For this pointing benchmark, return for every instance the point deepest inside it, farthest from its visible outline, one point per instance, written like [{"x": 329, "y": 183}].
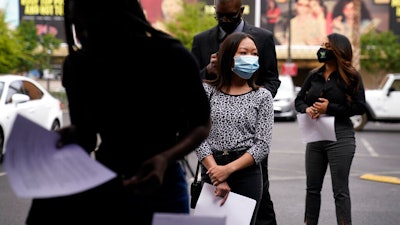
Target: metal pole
[
  {"x": 48, "y": 72},
  {"x": 289, "y": 59},
  {"x": 356, "y": 34},
  {"x": 257, "y": 13}
]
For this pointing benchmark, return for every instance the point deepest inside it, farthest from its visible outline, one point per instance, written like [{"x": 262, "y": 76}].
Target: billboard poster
[
  {"x": 158, "y": 11},
  {"x": 48, "y": 16},
  {"x": 394, "y": 9},
  {"x": 311, "y": 20}
]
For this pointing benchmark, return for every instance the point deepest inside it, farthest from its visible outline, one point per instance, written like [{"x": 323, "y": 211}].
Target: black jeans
[
  {"x": 266, "y": 212},
  {"x": 339, "y": 156}
]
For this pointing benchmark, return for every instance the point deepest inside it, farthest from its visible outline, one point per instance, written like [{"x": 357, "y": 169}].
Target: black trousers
[
  {"x": 247, "y": 181},
  {"x": 266, "y": 212},
  {"x": 338, "y": 155}
]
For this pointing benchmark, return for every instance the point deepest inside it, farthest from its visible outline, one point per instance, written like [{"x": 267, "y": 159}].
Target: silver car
[{"x": 284, "y": 99}]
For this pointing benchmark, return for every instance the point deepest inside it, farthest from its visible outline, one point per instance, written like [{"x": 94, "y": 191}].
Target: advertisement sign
[
  {"x": 311, "y": 20},
  {"x": 48, "y": 16}
]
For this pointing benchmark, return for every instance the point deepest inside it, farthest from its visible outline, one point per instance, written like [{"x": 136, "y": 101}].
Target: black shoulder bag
[{"x": 195, "y": 188}]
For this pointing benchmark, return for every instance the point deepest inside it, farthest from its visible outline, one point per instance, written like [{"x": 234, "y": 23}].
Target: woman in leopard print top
[{"x": 242, "y": 120}]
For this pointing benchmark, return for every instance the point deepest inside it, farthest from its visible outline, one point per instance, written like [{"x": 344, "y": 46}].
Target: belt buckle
[{"x": 225, "y": 152}]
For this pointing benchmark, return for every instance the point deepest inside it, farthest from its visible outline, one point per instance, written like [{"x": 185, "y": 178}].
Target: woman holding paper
[
  {"x": 334, "y": 89},
  {"x": 241, "y": 122}
]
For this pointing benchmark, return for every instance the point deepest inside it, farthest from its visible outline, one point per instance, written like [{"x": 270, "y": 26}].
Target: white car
[
  {"x": 284, "y": 99},
  {"x": 24, "y": 96},
  {"x": 382, "y": 103}
]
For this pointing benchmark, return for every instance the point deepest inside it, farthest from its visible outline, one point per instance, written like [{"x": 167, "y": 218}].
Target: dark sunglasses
[{"x": 228, "y": 16}]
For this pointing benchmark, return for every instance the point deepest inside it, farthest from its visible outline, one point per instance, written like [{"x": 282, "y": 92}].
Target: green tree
[
  {"x": 380, "y": 52},
  {"x": 22, "y": 49},
  {"x": 48, "y": 43},
  {"x": 10, "y": 48},
  {"x": 27, "y": 38},
  {"x": 191, "y": 20}
]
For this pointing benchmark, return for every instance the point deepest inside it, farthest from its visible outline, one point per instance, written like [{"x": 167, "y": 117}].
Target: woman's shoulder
[
  {"x": 208, "y": 88},
  {"x": 262, "y": 92}
]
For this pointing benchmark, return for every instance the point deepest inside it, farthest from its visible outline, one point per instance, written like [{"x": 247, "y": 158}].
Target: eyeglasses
[{"x": 228, "y": 16}]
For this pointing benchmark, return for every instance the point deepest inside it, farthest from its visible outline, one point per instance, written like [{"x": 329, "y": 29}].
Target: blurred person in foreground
[
  {"x": 146, "y": 121},
  {"x": 242, "y": 117},
  {"x": 334, "y": 89},
  {"x": 229, "y": 14}
]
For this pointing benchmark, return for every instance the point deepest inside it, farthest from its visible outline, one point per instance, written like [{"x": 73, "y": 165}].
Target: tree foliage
[
  {"x": 191, "y": 20},
  {"x": 9, "y": 47},
  {"x": 23, "y": 49},
  {"x": 380, "y": 52}
]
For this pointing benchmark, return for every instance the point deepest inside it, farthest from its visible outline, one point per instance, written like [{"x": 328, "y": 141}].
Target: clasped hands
[
  {"x": 218, "y": 175},
  {"x": 318, "y": 108}
]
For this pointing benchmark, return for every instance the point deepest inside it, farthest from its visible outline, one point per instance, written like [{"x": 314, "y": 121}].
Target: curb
[{"x": 379, "y": 178}]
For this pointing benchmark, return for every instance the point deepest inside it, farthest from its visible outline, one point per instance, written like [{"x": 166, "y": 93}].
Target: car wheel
[
  {"x": 55, "y": 125},
  {"x": 359, "y": 121},
  {"x": 1, "y": 145}
]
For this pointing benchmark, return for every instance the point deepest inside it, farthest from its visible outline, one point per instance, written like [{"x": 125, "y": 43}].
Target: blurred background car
[
  {"x": 284, "y": 99},
  {"x": 382, "y": 103},
  {"x": 24, "y": 96}
]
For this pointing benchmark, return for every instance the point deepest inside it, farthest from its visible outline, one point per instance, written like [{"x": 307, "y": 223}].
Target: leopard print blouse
[{"x": 239, "y": 121}]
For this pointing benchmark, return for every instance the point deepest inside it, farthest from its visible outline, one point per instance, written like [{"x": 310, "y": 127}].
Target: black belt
[{"x": 232, "y": 153}]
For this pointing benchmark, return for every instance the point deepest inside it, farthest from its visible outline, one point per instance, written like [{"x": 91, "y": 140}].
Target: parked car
[
  {"x": 284, "y": 99},
  {"x": 24, "y": 96},
  {"x": 382, "y": 103}
]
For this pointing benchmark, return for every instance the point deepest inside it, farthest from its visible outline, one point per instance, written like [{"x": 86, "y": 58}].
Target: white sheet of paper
[
  {"x": 238, "y": 209},
  {"x": 320, "y": 129},
  {"x": 185, "y": 219},
  {"x": 37, "y": 169}
]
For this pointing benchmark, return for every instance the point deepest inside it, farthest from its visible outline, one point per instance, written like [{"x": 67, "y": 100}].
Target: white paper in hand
[
  {"x": 37, "y": 169},
  {"x": 320, "y": 129},
  {"x": 238, "y": 209}
]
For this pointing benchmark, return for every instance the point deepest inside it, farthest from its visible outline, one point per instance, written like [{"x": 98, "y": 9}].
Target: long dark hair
[
  {"x": 343, "y": 51},
  {"x": 226, "y": 53}
]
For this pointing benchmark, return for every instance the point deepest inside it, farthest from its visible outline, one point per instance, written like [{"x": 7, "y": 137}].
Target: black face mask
[
  {"x": 230, "y": 26},
  {"x": 325, "y": 55}
]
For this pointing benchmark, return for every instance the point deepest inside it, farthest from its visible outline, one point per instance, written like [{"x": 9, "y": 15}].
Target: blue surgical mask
[{"x": 245, "y": 65}]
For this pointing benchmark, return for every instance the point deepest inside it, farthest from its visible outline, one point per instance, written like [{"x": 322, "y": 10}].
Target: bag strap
[{"x": 197, "y": 171}]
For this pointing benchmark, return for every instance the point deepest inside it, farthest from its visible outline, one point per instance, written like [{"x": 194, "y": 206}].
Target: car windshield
[{"x": 383, "y": 82}]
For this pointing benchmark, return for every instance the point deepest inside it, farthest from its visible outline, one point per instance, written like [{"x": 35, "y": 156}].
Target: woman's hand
[
  {"x": 318, "y": 108},
  {"x": 321, "y": 106},
  {"x": 222, "y": 190},
  {"x": 312, "y": 112},
  {"x": 68, "y": 135},
  {"x": 218, "y": 174},
  {"x": 150, "y": 176}
]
